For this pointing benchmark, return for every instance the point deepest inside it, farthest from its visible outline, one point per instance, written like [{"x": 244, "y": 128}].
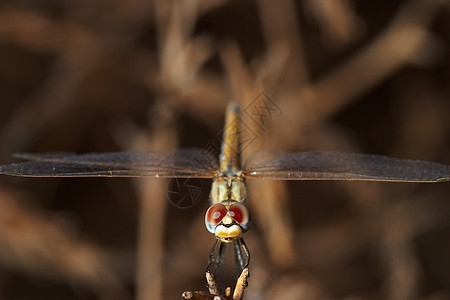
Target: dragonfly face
[{"x": 227, "y": 218}]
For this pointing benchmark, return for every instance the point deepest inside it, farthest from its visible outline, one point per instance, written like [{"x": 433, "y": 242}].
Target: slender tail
[{"x": 230, "y": 156}]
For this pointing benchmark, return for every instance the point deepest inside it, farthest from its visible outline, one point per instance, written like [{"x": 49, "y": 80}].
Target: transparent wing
[
  {"x": 185, "y": 163},
  {"x": 343, "y": 166}
]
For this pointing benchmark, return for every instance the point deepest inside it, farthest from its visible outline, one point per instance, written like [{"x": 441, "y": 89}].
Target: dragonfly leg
[
  {"x": 215, "y": 257},
  {"x": 242, "y": 254}
]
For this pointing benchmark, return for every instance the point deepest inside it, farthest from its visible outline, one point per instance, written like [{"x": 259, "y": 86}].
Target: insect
[{"x": 228, "y": 217}]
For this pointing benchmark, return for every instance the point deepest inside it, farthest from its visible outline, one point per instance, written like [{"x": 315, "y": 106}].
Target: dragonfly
[{"x": 228, "y": 217}]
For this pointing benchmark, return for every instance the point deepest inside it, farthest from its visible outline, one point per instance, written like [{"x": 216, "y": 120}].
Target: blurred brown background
[{"x": 97, "y": 76}]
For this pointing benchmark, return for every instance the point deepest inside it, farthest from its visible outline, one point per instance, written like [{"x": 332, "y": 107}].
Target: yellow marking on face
[
  {"x": 228, "y": 234},
  {"x": 227, "y": 220}
]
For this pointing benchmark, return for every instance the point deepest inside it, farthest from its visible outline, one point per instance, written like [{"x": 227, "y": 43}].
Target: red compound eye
[
  {"x": 214, "y": 215},
  {"x": 240, "y": 214}
]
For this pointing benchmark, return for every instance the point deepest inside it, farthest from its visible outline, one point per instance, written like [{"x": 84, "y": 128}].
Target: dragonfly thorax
[{"x": 226, "y": 188}]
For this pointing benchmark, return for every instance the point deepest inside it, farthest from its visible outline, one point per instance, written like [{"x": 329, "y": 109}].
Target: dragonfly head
[{"x": 227, "y": 221}]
